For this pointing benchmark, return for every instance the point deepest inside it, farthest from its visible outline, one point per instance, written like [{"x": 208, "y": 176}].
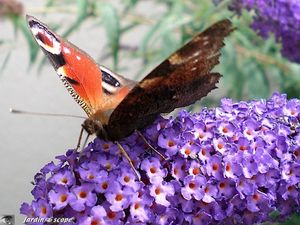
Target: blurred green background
[
  {"x": 137, "y": 35},
  {"x": 252, "y": 67}
]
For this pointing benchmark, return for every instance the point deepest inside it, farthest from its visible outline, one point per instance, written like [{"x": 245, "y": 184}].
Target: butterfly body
[{"x": 117, "y": 106}]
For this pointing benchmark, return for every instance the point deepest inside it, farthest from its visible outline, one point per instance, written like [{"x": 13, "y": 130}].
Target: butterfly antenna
[
  {"x": 16, "y": 111},
  {"x": 124, "y": 153},
  {"x": 150, "y": 146}
]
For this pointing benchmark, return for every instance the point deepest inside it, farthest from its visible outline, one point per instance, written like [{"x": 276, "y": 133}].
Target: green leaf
[
  {"x": 110, "y": 21},
  {"x": 163, "y": 28},
  {"x": 131, "y": 3},
  {"x": 4, "y": 64},
  {"x": 256, "y": 80},
  {"x": 82, "y": 14},
  {"x": 33, "y": 47}
]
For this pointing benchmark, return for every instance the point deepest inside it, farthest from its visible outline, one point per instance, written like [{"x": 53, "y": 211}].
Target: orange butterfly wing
[{"x": 96, "y": 89}]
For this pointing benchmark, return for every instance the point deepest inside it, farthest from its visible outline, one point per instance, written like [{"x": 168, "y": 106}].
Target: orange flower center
[
  {"x": 215, "y": 167},
  {"x": 104, "y": 185},
  {"x": 126, "y": 179},
  {"x": 196, "y": 171},
  {"x": 255, "y": 197},
  {"x": 105, "y": 146},
  {"x": 192, "y": 185},
  {"x": 220, "y": 146},
  {"x": 243, "y": 148},
  {"x": 44, "y": 210},
  {"x": 136, "y": 205},
  {"x": 290, "y": 188},
  {"x": 64, "y": 180},
  {"x": 228, "y": 167},
  {"x": 153, "y": 169},
  {"x": 157, "y": 191},
  {"x": 63, "y": 198},
  {"x": 171, "y": 143},
  {"x": 201, "y": 135},
  {"x": 206, "y": 190},
  {"x": 175, "y": 171},
  {"x": 187, "y": 151},
  {"x": 91, "y": 176},
  {"x": 119, "y": 197},
  {"x": 225, "y": 130},
  {"x": 111, "y": 215},
  {"x": 222, "y": 185},
  {"x": 82, "y": 194},
  {"x": 95, "y": 222},
  {"x": 108, "y": 166}
]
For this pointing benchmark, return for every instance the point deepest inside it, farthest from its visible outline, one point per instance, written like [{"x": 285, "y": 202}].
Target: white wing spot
[
  {"x": 67, "y": 50},
  {"x": 61, "y": 71},
  {"x": 55, "y": 49},
  {"x": 197, "y": 53}
]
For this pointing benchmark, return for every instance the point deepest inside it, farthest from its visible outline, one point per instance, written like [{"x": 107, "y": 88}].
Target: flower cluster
[
  {"x": 282, "y": 18},
  {"x": 234, "y": 164}
]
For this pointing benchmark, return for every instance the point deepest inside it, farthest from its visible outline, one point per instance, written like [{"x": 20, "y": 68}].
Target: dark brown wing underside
[{"x": 178, "y": 81}]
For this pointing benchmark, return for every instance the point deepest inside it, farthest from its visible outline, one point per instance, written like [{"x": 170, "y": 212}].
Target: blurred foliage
[{"x": 251, "y": 67}]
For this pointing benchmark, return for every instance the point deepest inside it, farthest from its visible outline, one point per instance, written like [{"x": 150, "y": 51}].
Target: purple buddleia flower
[
  {"x": 234, "y": 164},
  {"x": 140, "y": 204},
  {"x": 60, "y": 197},
  {"x": 119, "y": 197},
  {"x": 42, "y": 208},
  {"x": 160, "y": 190},
  {"x": 152, "y": 166},
  {"x": 178, "y": 170},
  {"x": 63, "y": 177},
  {"x": 83, "y": 197},
  {"x": 280, "y": 18},
  {"x": 193, "y": 187}
]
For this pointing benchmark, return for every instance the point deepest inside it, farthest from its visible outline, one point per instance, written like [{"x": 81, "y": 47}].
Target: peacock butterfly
[{"x": 117, "y": 106}]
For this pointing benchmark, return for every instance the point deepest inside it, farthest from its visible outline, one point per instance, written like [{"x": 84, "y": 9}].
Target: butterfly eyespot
[
  {"x": 109, "y": 79},
  {"x": 46, "y": 40}
]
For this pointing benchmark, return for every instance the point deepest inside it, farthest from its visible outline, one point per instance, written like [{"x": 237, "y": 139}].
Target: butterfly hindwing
[{"x": 180, "y": 80}]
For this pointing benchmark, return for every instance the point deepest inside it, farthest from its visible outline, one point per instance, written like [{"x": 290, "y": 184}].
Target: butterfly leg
[
  {"x": 79, "y": 139},
  {"x": 86, "y": 140},
  {"x": 149, "y": 145},
  {"x": 124, "y": 153}
]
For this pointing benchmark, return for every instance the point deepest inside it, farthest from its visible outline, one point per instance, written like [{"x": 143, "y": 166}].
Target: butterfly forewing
[
  {"x": 178, "y": 81},
  {"x": 96, "y": 89}
]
